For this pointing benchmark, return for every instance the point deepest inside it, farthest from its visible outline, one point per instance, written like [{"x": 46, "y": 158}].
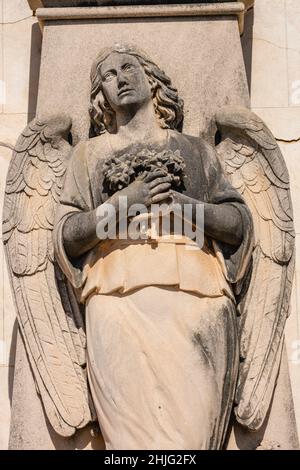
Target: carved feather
[
  {"x": 49, "y": 317},
  {"x": 256, "y": 168}
]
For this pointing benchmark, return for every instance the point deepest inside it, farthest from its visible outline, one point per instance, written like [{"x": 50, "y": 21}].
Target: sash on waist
[{"x": 125, "y": 265}]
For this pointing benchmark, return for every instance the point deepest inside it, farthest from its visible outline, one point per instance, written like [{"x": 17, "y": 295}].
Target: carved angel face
[
  {"x": 124, "y": 82},
  {"x": 145, "y": 79}
]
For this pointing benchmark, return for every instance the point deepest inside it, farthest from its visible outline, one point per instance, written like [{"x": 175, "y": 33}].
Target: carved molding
[
  {"x": 34, "y": 4},
  {"x": 248, "y": 3},
  {"x": 143, "y": 11}
]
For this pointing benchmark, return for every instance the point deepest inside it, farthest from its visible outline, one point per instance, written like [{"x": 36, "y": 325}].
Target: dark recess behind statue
[{"x": 92, "y": 3}]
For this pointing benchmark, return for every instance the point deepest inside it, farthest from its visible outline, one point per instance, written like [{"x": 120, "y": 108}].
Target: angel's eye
[
  {"x": 108, "y": 76},
  {"x": 128, "y": 67}
]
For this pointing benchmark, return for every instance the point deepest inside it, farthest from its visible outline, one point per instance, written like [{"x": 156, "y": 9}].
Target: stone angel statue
[{"x": 173, "y": 339}]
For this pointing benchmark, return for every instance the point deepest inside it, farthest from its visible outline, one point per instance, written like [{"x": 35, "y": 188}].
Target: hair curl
[{"x": 167, "y": 104}]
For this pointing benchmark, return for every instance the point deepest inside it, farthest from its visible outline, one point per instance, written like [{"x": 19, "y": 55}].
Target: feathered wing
[
  {"x": 255, "y": 167},
  {"x": 49, "y": 317}
]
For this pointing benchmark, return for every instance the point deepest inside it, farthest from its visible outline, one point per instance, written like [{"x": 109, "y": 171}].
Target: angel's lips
[{"x": 123, "y": 92}]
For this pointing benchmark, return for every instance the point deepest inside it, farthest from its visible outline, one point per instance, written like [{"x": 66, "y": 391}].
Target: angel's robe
[{"x": 161, "y": 323}]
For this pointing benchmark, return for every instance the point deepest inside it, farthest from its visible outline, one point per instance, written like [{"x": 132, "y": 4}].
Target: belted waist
[{"x": 125, "y": 265}]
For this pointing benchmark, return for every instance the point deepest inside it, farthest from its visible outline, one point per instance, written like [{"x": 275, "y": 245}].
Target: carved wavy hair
[{"x": 167, "y": 104}]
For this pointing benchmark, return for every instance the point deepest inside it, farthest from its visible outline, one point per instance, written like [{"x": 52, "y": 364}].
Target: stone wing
[
  {"x": 49, "y": 317},
  {"x": 255, "y": 167}
]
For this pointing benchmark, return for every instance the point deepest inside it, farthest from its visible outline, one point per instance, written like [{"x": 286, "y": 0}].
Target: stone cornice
[
  {"x": 34, "y": 4},
  {"x": 144, "y": 11}
]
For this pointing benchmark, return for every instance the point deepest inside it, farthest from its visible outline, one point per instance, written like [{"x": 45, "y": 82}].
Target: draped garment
[{"x": 162, "y": 347}]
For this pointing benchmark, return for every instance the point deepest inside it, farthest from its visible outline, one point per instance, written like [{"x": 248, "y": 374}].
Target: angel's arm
[
  {"x": 76, "y": 218},
  {"x": 223, "y": 219},
  {"x": 223, "y": 222},
  {"x": 79, "y": 232},
  {"x": 80, "y": 229}
]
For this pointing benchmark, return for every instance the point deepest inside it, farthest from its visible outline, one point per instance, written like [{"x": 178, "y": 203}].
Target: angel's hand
[
  {"x": 154, "y": 188},
  {"x": 182, "y": 199}
]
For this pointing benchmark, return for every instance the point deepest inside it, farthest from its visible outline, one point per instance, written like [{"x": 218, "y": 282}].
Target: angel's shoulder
[
  {"x": 97, "y": 147},
  {"x": 198, "y": 143},
  {"x": 88, "y": 151},
  {"x": 197, "y": 148}
]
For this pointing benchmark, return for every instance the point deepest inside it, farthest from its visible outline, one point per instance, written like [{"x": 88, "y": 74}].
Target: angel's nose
[{"x": 121, "y": 79}]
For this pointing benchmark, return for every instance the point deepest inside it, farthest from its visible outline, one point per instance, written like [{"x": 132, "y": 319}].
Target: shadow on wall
[
  {"x": 279, "y": 431},
  {"x": 34, "y": 73},
  {"x": 243, "y": 438},
  {"x": 12, "y": 359},
  {"x": 247, "y": 43}
]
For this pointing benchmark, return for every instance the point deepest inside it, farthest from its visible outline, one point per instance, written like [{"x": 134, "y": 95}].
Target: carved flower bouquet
[{"x": 120, "y": 171}]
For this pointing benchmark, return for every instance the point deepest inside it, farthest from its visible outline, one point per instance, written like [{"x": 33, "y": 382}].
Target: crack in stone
[
  {"x": 7, "y": 145},
  {"x": 17, "y": 21},
  {"x": 288, "y": 141},
  {"x": 276, "y": 45}
]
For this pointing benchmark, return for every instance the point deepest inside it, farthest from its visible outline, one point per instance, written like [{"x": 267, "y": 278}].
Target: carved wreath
[{"x": 120, "y": 171}]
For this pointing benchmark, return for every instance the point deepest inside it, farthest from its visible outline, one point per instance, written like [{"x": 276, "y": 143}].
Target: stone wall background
[
  {"x": 20, "y": 41},
  {"x": 271, "y": 44},
  {"x": 275, "y": 97}
]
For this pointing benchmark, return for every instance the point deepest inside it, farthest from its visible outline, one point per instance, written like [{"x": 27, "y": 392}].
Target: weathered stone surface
[
  {"x": 283, "y": 122},
  {"x": 126, "y": 103},
  {"x": 292, "y": 336},
  {"x": 6, "y": 376},
  {"x": 15, "y": 10},
  {"x": 30, "y": 430},
  {"x": 293, "y": 51},
  {"x": 143, "y": 113},
  {"x": 243, "y": 171},
  {"x": 34, "y": 4},
  {"x": 92, "y": 3},
  {"x": 269, "y": 82},
  {"x": 17, "y": 42},
  {"x": 279, "y": 431},
  {"x": 277, "y": 28},
  {"x": 185, "y": 62},
  {"x": 145, "y": 11},
  {"x": 10, "y": 128},
  {"x": 276, "y": 120},
  {"x": 291, "y": 152}
]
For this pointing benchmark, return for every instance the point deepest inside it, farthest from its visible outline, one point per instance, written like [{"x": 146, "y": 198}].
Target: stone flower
[{"x": 120, "y": 171}]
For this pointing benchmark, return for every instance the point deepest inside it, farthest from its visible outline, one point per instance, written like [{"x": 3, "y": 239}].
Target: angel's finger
[
  {"x": 157, "y": 181},
  {"x": 153, "y": 175},
  {"x": 160, "y": 197},
  {"x": 161, "y": 188}
]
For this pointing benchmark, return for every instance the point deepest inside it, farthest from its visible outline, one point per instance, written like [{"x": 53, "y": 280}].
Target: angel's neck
[{"x": 138, "y": 125}]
